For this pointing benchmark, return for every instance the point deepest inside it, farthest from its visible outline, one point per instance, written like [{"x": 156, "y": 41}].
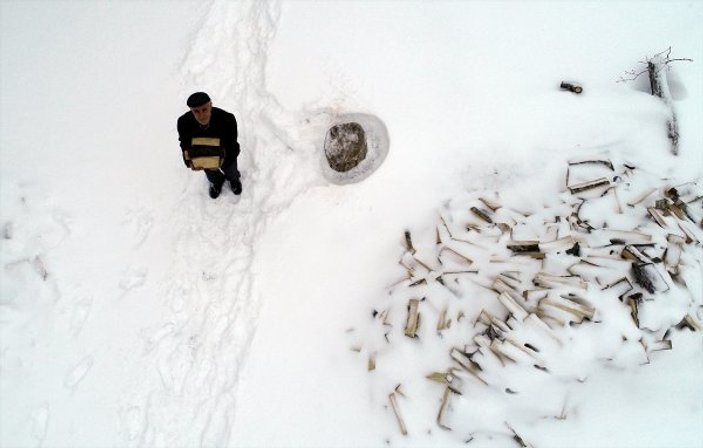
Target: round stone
[{"x": 345, "y": 146}]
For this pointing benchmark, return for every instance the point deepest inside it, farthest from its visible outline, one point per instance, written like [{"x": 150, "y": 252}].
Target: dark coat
[{"x": 222, "y": 125}]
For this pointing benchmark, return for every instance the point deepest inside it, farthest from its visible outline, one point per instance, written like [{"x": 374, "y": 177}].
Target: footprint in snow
[
  {"x": 133, "y": 278},
  {"x": 78, "y": 373}
]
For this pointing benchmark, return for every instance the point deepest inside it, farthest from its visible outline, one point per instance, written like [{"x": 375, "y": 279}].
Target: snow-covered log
[{"x": 657, "y": 68}]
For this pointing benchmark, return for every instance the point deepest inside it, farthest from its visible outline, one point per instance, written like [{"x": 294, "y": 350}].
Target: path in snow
[{"x": 196, "y": 354}]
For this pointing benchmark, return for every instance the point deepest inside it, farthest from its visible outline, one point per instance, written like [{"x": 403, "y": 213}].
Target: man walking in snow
[{"x": 208, "y": 137}]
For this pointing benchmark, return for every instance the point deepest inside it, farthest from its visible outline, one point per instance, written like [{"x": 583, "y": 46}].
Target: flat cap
[{"x": 197, "y": 99}]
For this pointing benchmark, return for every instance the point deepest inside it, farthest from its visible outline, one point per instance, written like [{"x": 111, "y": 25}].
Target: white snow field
[{"x": 137, "y": 312}]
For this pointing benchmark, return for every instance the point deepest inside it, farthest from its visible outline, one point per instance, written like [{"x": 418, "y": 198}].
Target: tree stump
[{"x": 345, "y": 146}]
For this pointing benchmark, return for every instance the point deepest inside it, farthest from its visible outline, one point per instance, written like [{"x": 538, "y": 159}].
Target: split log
[
  {"x": 529, "y": 248},
  {"x": 589, "y": 185},
  {"x": 658, "y": 217},
  {"x": 503, "y": 285},
  {"x": 516, "y": 437},
  {"x": 534, "y": 320},
  {"x": 409, "y": 243},
  {"x": 691, "y": 238},
  {"x": 566, "y": 243},
  {"x": 579, "y": 308},
  {"x": 483, "y": 214},
  {"x": 413, "y": 321},
  {"x": 647, "y": 276},
  {"x": 490, "y": 203},
  {"x": 532, "y": 295},
  {"x": 396, "y": 411},
  {"x": 620, "y": 287},
  {"x": 633, "y": 302},
  {"x": 672, "y": 258},
  {"x": 466, "y": 363},
  {"x": 614, "y": 236},
  {"x": 443, "y": 323},
  {"x": 631, "y": 252},
  {"x": 605, "y": 162},
  {"x": 513, "y": 352},
  {"x": 454, "y": 255},
  {"x": 442, "y": 410},
  {"x": 688, "y": 322},
  {"x": 449, "y": 379},
  {"x": 512, "y": 306},
  {"x": 523, "y": 246},
  {"x": 664, "y": 344},
  {"x": 546, "y": 280},
  {"x": 641, "y": 198}
]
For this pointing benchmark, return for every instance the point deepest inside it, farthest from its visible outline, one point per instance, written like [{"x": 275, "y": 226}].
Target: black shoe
[
  {"x": 215, "y": 190},
  {"x": 236, "y": 187}
]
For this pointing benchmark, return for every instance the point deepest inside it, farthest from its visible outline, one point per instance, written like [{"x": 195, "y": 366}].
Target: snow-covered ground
[{"x": 135, "y": 311}]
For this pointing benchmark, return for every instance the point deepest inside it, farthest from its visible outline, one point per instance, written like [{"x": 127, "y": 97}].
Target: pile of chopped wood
[{"x": 504, "y": 291}]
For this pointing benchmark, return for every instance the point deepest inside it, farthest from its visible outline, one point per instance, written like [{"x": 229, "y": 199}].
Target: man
[{"x": 208, "y": 137}]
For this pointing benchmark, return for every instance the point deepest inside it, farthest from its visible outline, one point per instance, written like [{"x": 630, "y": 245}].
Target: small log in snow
[{"x": 657, "y": 68}]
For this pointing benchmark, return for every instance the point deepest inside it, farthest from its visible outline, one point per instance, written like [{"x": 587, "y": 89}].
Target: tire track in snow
[{"x": 194, "y": 356}]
